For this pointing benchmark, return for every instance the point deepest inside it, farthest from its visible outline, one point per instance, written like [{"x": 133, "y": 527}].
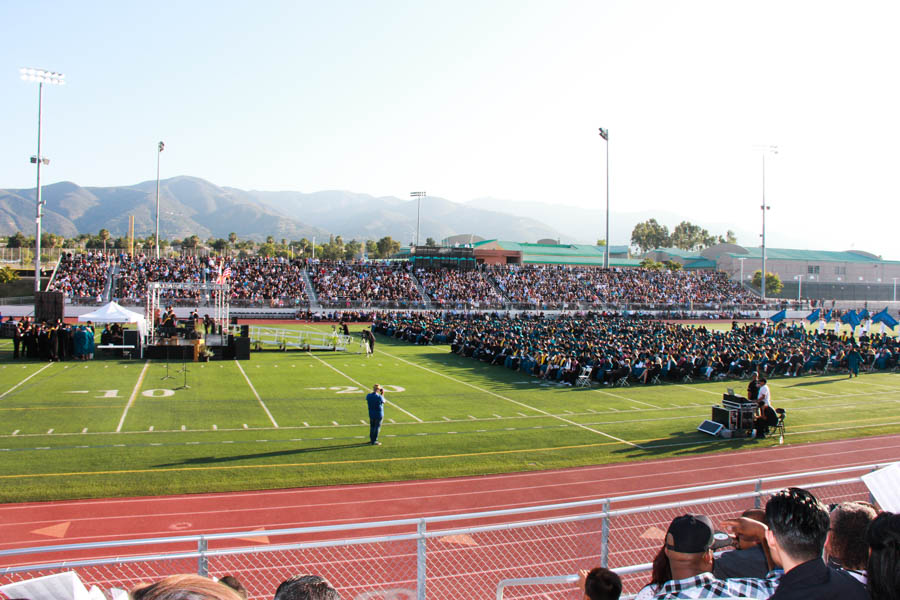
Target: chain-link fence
[{"x": 458, "y": 556}]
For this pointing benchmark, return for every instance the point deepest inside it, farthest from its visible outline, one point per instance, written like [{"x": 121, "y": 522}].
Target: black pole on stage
[
  {"x": 167, "y": 376},
  {"x": 184, "y": 370}
]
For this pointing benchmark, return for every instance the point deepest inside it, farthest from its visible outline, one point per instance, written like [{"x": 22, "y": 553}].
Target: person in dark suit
[
  {"x": 375, "y": 401},
  {"x": 17, "y": 339}
]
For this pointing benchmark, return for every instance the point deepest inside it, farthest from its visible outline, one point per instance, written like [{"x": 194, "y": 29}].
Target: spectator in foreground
[
  {"x": 748, "y": 558},
  {"x": 794, "y": 540},
  {"x": 689, "y": 548},
  {"x": 883, "y": 566},
  {"x": 232, "y": 582},
  {"x": 184, "y": 587},
  {"x": 846, "y": 547},
  {"x": 306, "y": 587},
  {"x": 600, "y": 584},
  {"x": 660, "y": 574}
]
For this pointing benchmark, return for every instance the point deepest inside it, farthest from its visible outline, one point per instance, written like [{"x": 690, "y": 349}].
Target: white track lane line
[
  {"x": 543, "y": 412},
  {"x": 134, "y": 393},
  {"x": 362, "y": 387},
  {"x": 24, "y": 380},
  {"x": 258, "y": 399}
]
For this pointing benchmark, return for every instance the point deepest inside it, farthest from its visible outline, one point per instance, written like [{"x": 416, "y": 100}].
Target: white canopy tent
[{"x": 113, "y": 313}]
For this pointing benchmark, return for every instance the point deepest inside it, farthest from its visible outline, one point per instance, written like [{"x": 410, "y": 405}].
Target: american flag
[{"x": 226, "y": 274}]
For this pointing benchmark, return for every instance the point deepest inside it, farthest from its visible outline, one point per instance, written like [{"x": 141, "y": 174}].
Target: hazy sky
[{"x": 474, "y": 98}]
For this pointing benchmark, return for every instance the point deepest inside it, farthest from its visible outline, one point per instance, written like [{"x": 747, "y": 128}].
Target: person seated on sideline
[
  {"x": 794, "y": 540},
  {"x": 184, "y": 587},
  {"x": 306, "y": 587},
  {"x": 846, "y": 547},
  {"x": 883, "y": 566},
  {"x": 690, "y": 541},
  {"x": 600, "y": 584},
  {"x": 747, "y": 559}
]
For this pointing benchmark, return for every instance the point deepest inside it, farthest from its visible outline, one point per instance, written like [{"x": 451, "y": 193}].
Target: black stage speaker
[
  {"x": 132, "y": 337},
  {"x": 48, "y": 306},
  {"x": 234, "y": 321},
  {"x": 228, "y": 350},
  {"x": 242, "y": 348},
  {"x": 245, "y": 331}
]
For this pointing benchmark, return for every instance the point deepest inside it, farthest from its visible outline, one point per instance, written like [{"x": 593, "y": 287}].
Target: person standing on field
[{"x": 375, "y": 400}]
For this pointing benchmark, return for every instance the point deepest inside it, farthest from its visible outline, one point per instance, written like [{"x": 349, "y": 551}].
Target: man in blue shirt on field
[{"x": 375, "y": 401}]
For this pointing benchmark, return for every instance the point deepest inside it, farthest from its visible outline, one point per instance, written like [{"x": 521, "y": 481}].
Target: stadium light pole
[
  {"x": 799, "y": 279},
  {"x": 604, "y": 133},
  {"x": 418, "y": 195},
  {"x": 42, "y": 77},
  {"x": 765, "y": 150},
  {"x": 159, "y": 150},
  {"x": 741, "y": 260},
  {"x": 895, "y": 287}
]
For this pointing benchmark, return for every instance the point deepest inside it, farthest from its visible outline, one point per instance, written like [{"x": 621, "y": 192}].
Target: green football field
[{"x": 114, "y": 427}]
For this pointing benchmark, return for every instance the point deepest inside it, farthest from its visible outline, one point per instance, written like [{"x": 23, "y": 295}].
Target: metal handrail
[
  {"x": 561, "y": 579},
  {"x": 758, "y": 491},
  {"x": 476, "y": 515}
]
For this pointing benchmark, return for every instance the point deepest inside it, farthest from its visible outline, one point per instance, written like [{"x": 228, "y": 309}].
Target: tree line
[
  {"x": 650, "y": 235},
  {"x": 336, "y": 248}
]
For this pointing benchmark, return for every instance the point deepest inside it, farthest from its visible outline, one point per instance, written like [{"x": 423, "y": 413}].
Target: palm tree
[{"x": 104, "y": 235}]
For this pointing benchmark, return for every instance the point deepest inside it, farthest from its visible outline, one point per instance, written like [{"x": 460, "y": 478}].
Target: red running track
[{"x": 46, "y": 523}]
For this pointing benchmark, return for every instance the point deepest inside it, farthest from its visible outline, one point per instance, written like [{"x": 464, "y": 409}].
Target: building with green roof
[
  {"x": 851, "y": 274},
  {"x": 494, "y": 252}
]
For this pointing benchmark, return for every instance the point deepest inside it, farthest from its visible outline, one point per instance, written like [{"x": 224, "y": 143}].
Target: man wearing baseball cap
[{"x": 690, "y": 542}]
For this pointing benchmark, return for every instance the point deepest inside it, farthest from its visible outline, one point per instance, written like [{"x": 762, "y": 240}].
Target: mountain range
[{"x": 190, "y": 205}]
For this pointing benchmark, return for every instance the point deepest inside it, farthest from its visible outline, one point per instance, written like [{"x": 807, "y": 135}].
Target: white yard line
[
  {"x": 543, "y": 412},
  {"x": 361, "y": 386},
  {"x": 625, "y": 398},
  {"x": 24, "y": 380},
  {"x": 697, "y": 389},
  {"x": 134, "y": 393},
  {"x": 258, "y": 399}
]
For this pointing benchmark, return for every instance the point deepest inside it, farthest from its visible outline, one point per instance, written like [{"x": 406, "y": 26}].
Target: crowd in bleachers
[
  {"x": 81, "y": 276},
  {"x": 271, "y": 281},
  {"x": 373, "y": 283},
  {"x": 280, "y": 282},
  {"x": 274, "y": 282},
  {"x": 541, "y": 284},
  {"x": 455, "y": 288},
  {"x": 135, "y": 274}
]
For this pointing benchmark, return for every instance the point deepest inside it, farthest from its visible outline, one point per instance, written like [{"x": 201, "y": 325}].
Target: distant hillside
[
  {"x": 364, "y": 216},
  {"x": 188, "y": 206}
]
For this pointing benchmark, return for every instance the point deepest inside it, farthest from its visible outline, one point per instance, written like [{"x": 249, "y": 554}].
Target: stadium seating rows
[{"x": 278, "y": 282}]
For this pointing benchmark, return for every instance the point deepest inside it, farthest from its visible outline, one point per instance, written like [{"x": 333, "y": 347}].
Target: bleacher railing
[{"x": 452, "y": 556}]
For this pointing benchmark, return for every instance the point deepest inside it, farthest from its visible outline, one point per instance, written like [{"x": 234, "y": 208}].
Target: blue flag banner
[
  {"x": 850, "y": 318},
  {"x": 884, "y": 317},
  {"x": 813, "y": 316},
  {"x": 828, "y": 316},
  {"x": 778, "y": 317},
  {"x": 864, "y": 314}
]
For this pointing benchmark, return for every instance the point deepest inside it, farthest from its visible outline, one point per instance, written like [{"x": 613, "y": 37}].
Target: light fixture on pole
[
  {"x": 42, "y": 77},
  {"x": 765, "y": 150},
  {"x": 604, "y": 133},
  {"x": 160, "y": 148},
  {"x": 418, "y": 195}
]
